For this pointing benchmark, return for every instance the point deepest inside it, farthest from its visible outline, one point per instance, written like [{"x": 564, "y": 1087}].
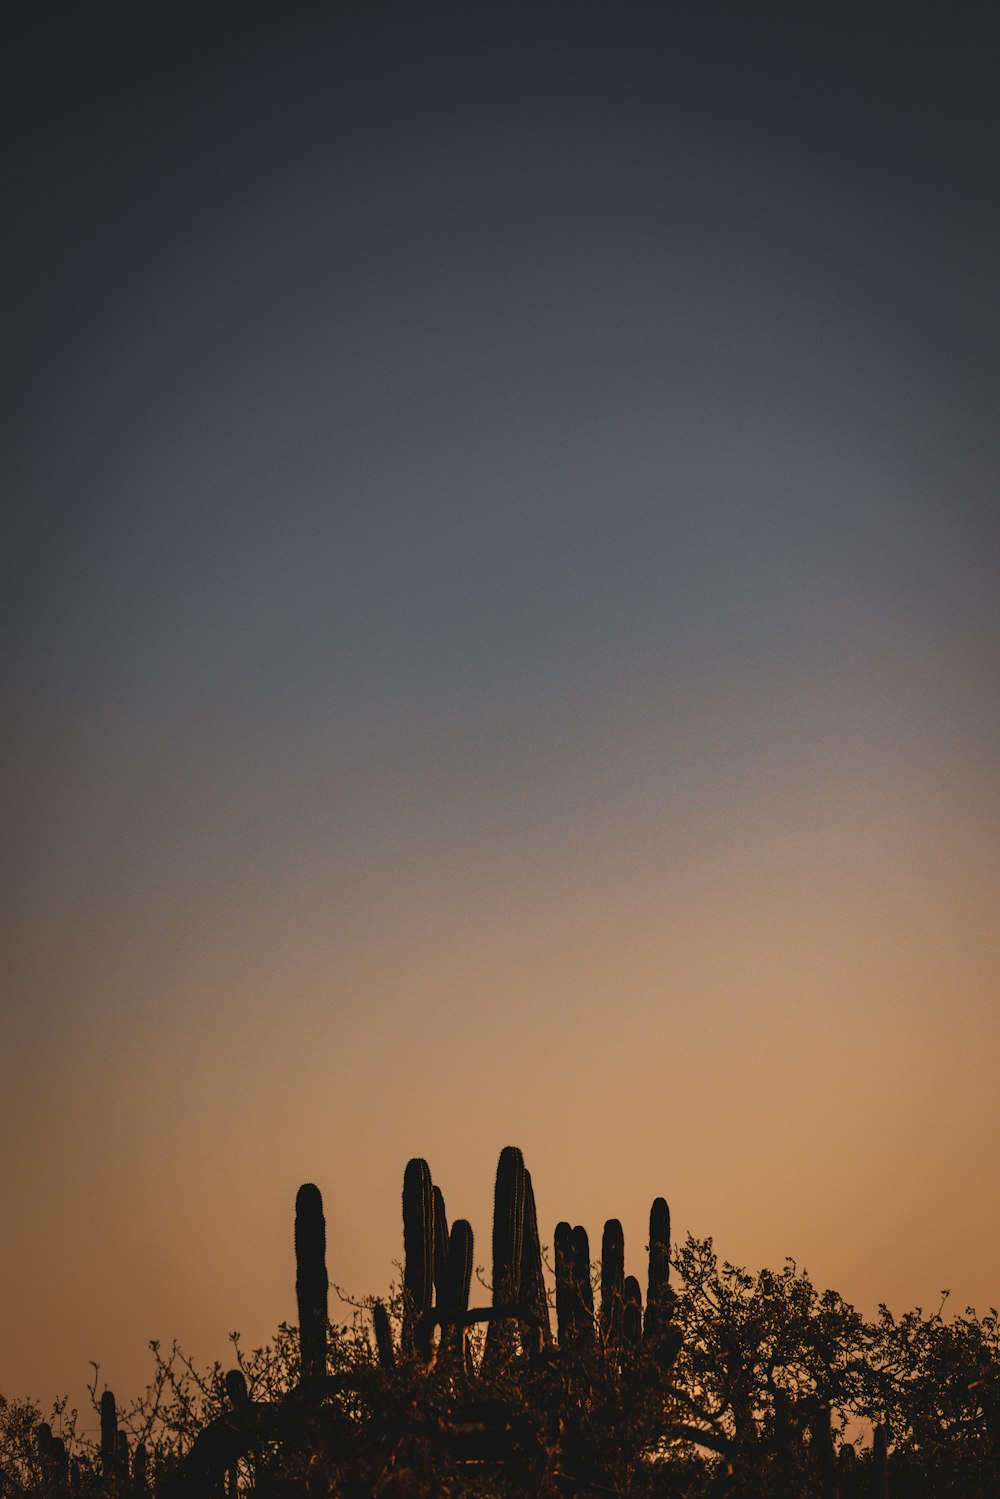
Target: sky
[{"x": 500, "y": 645}]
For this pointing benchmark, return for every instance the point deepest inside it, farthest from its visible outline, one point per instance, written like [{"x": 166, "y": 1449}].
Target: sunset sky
[{"x": 501, "y": 620}]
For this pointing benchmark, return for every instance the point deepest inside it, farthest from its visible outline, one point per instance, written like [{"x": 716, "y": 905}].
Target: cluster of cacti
[
  {"x": 613, "y": 1358},
  {"x": 437, "y": 1278},
  {"x": 438, "y": 1270}
]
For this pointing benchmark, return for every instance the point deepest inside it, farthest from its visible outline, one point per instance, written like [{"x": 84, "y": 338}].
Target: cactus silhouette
[
  {"x": 821, "y": 1442},
  {"x": 236, "y": 1389},
  {"x": 583, "y": 1289},
  {"x": 880, "y": 1464},
  {"x": 109, "y": 1437},
  {"x": 311, "y": 1284},
  {"x": 612, "y": 1284},
  {"x": 383, "y": 1337},
  {"x": 508, "y": 1237},
  {"x": 657, "y": 1334},
  {"x": 631, "y": 1316},
  {"x": 418, "y": 1246},
  {"x": 122, "y": 1464},
  {"x": 659, "y": 1254},
  {"x": 139, "y": 1464},
  {"x": 440, "y": 1248},
  {"x": 456, "y": 1299},
  {"x": 536, "y": 1332},
  {"x": 566, "y": 1318}
]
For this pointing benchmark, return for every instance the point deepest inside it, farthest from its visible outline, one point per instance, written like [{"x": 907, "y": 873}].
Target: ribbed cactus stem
[
  {"x": 536, "y": 1333},
  {"x": 109, "y": 1436},
  {"x": 459, "y": 1268},
  {"x": 440, "y": 1247},
  {"x": 508, "y": 1236},
  {"x": 311, "y": 1283},
  {"x": 612, "y": 1283},
  {"x": 383, "y": 1338},
  {"x": 458, "y": 1284},
  {"x": 418, "y": 1246}
]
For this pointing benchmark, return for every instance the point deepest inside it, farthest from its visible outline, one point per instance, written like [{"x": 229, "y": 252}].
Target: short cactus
[{"x": 383, "y": 1338}]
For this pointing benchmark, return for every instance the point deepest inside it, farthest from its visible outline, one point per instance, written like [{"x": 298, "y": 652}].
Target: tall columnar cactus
[
  {"x": 659, "y": 1253},
  {"x": 612, "y": 1284},
  {"x": 139, "y": 1465},
  {"x": 536, "y": 1332},
  {"x": 458, "y": 1285},
  {"x": 821, "y": 1442},
  {"x": 311, "y": 1283},
  {"x": 459, "y": 1282},
  {"x": 440, "y": 1248},
  {"x": 582, "y": 1284},
  {"x": 631, "y": 1316},
  {"x": 508, "y": 1237},
  {"x": 659, "y": 1296},
  {"x": 566, "y": 1307},
  {"x": 53, "y": 1460},
  {"x": 109, "y": 1437},
  {"x": 418, "y": 1246},
  {"x": 122, "y": 1464},
  {"x": 880, "y": 1464}
]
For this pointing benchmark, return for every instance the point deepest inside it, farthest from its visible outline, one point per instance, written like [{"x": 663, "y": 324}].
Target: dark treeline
[{"x": 721, "y": 1383}]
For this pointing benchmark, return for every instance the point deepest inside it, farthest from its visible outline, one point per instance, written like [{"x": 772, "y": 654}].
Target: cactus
[
  {"x": 122, "y": 1464},
  {"x": 236, "y": 1389},
  {"x": 418, "y": 1246},
  {"x": 508, "y": 1237},
  {"x": 658, "y": 1293},
  {"x": 383, "y": 1338},
  {"x": 311, "y": 1284},
  {"x": 657, "y": 1335},
  {"x": 536, "y": 1333},
  {"x": 459, "y": 1281},
  {"x": 612, "y": 1284},
  {"x": 880, "y": 1464},
  {"x": 109, "y": 1436},
  {"x": 582, "y": 1285},
  {"x": 566, "y": 1318},
  {"x": 631, "y": 1316},
  {"x": 139, "y": 1465},
  {"x": 440, "y": 1248},
  {"x": 53, "y": 1460},
  {"x": 821, "y": 1442}
]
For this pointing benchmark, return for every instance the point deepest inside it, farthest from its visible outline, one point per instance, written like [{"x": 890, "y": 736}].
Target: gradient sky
[{"x": 501, "y": 640}]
